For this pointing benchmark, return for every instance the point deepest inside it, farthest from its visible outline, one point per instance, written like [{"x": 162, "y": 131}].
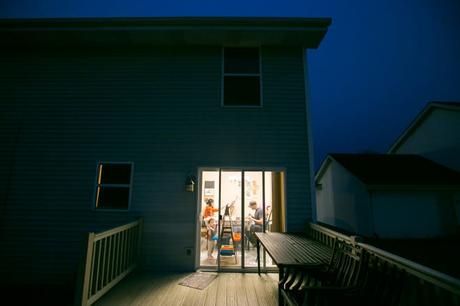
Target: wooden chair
[
  {"x": 325, "y": 284},
  {"x": 383, "y": 283}
]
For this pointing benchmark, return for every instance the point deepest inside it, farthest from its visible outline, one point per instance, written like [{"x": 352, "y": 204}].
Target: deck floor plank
[
  {"x": 166, "y": 294},
  {"x": 241, "y": 298},
  {"x": 221, "y": 292},
  {"x": 249, "y": 290},
  {"x": 127, "y": 291},
  {"x": 271, "y": 287},
  {"x": 229, "y": 289},
  {"x": 211, "y": 292},
  {"x": 259, "y": 290}
]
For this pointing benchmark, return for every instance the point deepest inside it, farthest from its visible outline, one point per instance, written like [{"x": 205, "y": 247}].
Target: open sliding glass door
[{"x": 236, "y": 203}]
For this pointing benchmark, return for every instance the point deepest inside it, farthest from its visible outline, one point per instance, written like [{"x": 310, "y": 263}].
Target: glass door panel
[
  {"x": 230, "y": 232},
  {"x": 269, "y": 203},
  {"x": 253, "y": 213},
  {"x": 209, "y": 218}
]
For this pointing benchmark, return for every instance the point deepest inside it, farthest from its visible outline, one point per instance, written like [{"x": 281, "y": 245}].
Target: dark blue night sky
[{"x": 379, "y": 64}]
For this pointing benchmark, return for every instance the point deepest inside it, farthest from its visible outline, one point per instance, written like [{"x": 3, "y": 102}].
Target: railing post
[
  {"x": 84, "y": 272},
  {"x": 139, "y": 240},
  {"x": 87, "y": 270}
]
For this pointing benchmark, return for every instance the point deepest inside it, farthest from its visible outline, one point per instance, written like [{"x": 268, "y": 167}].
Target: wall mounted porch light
[{"x": 190, "y": 183}]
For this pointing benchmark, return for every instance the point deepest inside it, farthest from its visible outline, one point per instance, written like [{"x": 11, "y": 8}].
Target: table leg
[
  {"x": 280, "y": 296},
  {"x": 258, "y": 256}
]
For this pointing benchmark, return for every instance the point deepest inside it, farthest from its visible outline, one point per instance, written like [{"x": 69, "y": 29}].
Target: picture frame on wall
[{"x": 209, "y": 187}]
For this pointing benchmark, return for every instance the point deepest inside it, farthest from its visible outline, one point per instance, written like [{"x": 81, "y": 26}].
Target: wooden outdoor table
[{"x": 286, "y": 249}]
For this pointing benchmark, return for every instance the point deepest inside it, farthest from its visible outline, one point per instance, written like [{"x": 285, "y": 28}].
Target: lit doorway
[{"x": 231, "y": 212}]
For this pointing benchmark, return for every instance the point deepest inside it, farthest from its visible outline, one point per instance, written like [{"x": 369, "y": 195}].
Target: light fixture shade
[{"x": 190, "y": 184}]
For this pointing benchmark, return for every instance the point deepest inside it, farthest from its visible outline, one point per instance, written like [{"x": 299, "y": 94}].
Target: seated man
[{"x": 257, "y": 219}]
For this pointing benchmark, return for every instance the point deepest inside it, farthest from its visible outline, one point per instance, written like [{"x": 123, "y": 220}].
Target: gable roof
[
  {"x": 389, "y": 169},
  {"x": 426, "y": 111},
  {"x": 306, "y": 32}
]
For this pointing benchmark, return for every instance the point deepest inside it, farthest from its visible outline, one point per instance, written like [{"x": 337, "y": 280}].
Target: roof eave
[
  {"x": 307, "y": 32},
  {"x": 412, "y": 126},
  {"x": 322, "y": 169},
  {"x": 417, "y": 121}
]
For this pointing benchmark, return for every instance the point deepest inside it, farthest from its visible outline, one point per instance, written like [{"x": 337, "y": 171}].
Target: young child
[
  {"x": 209, "y": 210},
  {"x": 212, "y": 237}
]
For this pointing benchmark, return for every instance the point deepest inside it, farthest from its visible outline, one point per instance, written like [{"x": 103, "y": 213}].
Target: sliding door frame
[{"x": 199, "y": 200}]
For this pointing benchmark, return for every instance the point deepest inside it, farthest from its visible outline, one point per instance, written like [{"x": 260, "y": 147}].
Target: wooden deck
[{"x": 143, "y": 288}]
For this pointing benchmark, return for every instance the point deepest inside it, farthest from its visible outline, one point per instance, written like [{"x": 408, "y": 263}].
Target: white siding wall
[
  {"x": 343, "y": 201},
  {"x": 325, "y": 209},
  {"x": 159, "y": 108},
  {"x": 413, "y": 214},
  {"x": 437, "y": 138}
]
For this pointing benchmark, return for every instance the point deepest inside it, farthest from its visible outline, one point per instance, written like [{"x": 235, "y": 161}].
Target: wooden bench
[{"x": 352, "y": 277}]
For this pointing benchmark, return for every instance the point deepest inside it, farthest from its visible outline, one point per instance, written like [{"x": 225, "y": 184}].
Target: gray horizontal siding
[{"x": 159, "y": 108}]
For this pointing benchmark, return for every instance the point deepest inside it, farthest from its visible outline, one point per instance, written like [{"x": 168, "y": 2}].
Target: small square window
[
  {"x": 241, "y": 77},
  {"x": 241, "y": 60},
  {"x": 113, "y": 186},
  {"x": 242, "y": 90}
]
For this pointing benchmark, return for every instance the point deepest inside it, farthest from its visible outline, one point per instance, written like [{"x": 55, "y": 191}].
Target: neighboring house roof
[
  {"x": 426, "y": 111},
  {"x": 307, "y": 32},
  {"x": 389, "y": 169}
]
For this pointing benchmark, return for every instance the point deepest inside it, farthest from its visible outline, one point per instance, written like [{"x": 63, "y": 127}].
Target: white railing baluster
[
  {"x": 128, "y": 250},
  {"x": 90, "y": 285},
  {"x": 104, "y": 262},
  {"x": 98, "y": 271},
  {"x": 109, "y": 260},
  {"x": 117, "y": 255},
  {"x": 120, "y": 263},
  {"x": 123, "y": 266},
  {"x": 112, "y": 257}
]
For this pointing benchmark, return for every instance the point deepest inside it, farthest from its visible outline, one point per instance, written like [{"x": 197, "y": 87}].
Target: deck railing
[
  {"x": 423, "y": 286},
  {"x": 110, "y": 256}
]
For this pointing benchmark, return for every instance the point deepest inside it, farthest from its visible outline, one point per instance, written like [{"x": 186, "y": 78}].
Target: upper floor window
[
  {"x": 113, "y": 185},
  {"x": 241, "y": 77}
]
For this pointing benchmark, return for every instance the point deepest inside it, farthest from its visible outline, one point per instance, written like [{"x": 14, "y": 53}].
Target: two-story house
[
  {"x": 433, "y": 134},
  {"x": 106, "y": 120}
]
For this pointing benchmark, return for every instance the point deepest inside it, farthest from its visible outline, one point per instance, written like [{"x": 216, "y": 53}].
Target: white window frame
[
  {"x": 97, "y": 184},
  {"x": 241, "y": 74}
]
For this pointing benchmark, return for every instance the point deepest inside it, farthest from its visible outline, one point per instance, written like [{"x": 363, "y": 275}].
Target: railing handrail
[
  {"x": 330, "y": 232},
  {"x": 425, "y": 273},
  {"x": 430, "y": 275},
  {"x": 113, "y": 231}
]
